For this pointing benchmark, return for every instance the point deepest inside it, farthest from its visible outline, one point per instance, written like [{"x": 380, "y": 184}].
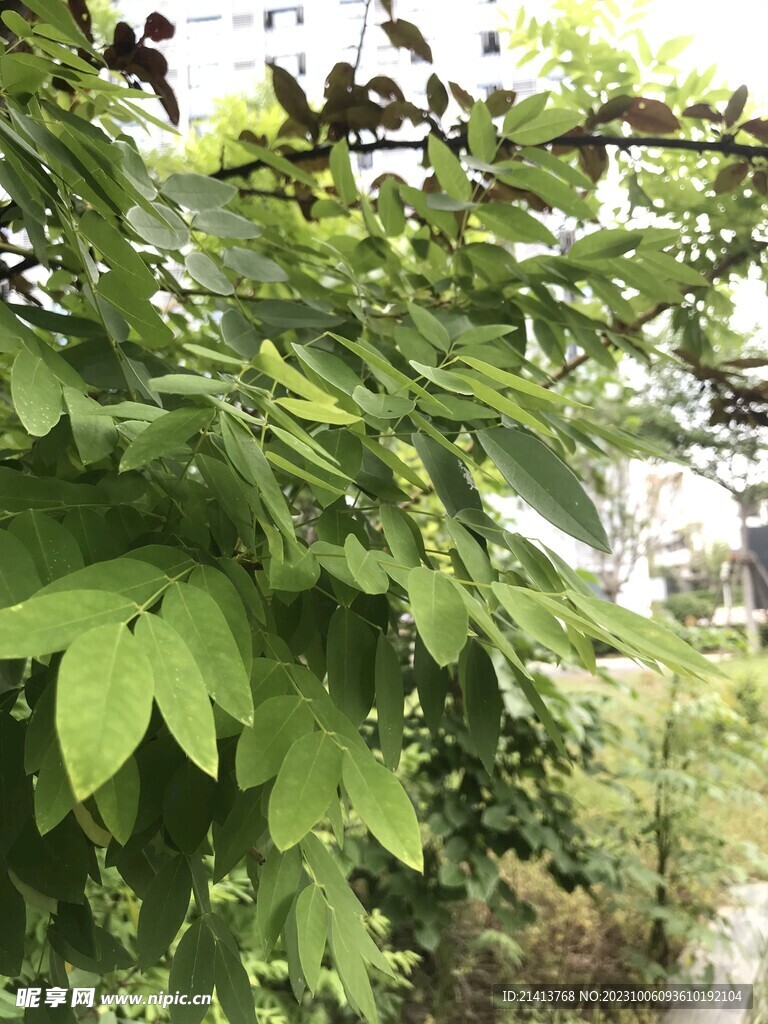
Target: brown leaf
[
  {"x": 760, "y": 181},
  {"x": 746, "y": 363},
  {"x": 292, "y": 97},
  {"x": 124, "y": 39},
  {"x": 385, "y": 87},
  {"x": 394, "y": 114},
  {"x": 167, "y": 98},
  {"x": 500, "y": 101},
  {"x": 462, "y": 97},
  {"x": 613, "y": 108},
  {"x": 593, "y": 160},
  {"x": 731, "y": 176},
  {"x": 735, "y": 105},
  {"x": 158, "y": 28},
  {"x": 249, "y": 136},
  {"x": 340, "y": 78},
  {"x": 651, "y": 116},
  {"x": 79, "y": 11},
  {"x": 148, "y": 64},
  {"x": 758, "y": 127},
  {"x": 437, "y": 95},
  {"x": 703, "y": 112},
  {"x": 405, "y": 35}
]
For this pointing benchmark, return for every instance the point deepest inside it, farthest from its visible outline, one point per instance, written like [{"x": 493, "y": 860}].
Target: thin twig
[{"x": 362, "y": 35}]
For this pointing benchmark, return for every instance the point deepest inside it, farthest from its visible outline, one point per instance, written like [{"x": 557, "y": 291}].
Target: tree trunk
[{"x": 748, "y": 586}]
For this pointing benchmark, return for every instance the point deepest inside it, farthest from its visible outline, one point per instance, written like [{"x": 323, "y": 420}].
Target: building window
[
  {"x": 242, "y": 21},
  {"x": 489, "y": 42},
  {"x": 245, "y": 65},
  {"x": 283, "y": 17},
  {"x": 364, "y": 161},
  {"x": 203, "y": 17},
  {"x": 526, "y": 87}
]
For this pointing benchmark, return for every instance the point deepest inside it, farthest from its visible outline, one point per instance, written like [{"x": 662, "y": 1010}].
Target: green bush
[{"x": 692, "y": 604}]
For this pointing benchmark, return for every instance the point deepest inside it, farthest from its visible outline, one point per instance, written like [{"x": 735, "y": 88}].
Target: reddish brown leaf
[
  {"x": 500, "y": 101},
  {"x": 612, "y": 109},
  {"x": 158, "y": 28},
  {"x": 148, "y": 64},
  {"x": 385, "y": 87},
  {"x": 405, "y": 35},
  {"x": 735, "y": 105},
  {"x": 462, "y": 97},
  {"x": 731, "y": 176},
  {"x": 758, "y": 127},
  {"x": 703, "y": 112},
  {"x": 651, "y": 116},
  {"x": 167, "y": 98},
  {"x": 760, "y": 181},
  {"x": 593, "y": 160},
  {"x": 79, "y": 11},
  {"x": 124, "y": 39}
]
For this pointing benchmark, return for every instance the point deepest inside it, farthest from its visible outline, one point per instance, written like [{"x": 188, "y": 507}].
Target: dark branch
[
  {"x": 725, "y": 146},
  {"x": 362, "y": 35}
]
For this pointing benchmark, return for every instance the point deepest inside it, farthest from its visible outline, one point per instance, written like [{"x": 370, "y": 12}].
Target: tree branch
[
  {"x": 725, "y": 146},
  {"x": 362, "y": 35}
]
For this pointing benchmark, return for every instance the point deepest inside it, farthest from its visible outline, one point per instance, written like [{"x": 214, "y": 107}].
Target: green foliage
[{"x": 220, "y": 469}]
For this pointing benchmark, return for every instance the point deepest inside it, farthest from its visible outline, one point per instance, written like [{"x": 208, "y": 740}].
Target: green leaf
[
  {"x": 450, "y": 173},
  {"x": 197, "y": 618},
  {"x": 36, "y": 393},
  {"x": 163, "y": 910},
  {"x": 549, "y": 124},
  {"x": 307, "y": 781},
  {"x": 51, "y": 622},
  {"x": 525, "y": 111},
  {"x": 54, "y": 798},
  {"x": 95, "y": 434},
  {"x": 53, "y": 548},
  {"x": 432, "y": 683},
  {"x": 482, "y": 701},
  {"x": 180, "y": 691},
  {"x": 481, "y": 133},
  {"x": 140, "y": 314},
  {"x": 364, "y": 566},
  {"x": 262, "y": 748},
  {"x": 649, "y": 637},
  {"x": 253, "y": 265},
  {"x": 545, "y": 483},
  {"x": 233, "y": 986},
  {"x": 351, "y": 968},
  {"x": 534, "y": 620},
  {"x": 249, "y": 460},
  {"x": 192, "y": 971},
  {"x": 277, "y": 888},
  {"x": 239, "y": 832},
  {"x": 382, "y": 803},
  {"x": 514, "y": 223},
  {"x": 118, "y": 799},
  {"x": 451, "y": 479},
  {"x": 12, "y": 928},
  {"x": 390, "y": 699},
  {"x": 198, "y": 191},
  {"x": 103, "y": 704},
  {"x": 162, "y": 227},
  {"x": 138, "y": 581},
  {"x": 350, "y": 655},
  {"x": 119, "y": 253},
  {"x": 311, "y": 929},
  {"x": 439, "y": 613},
  {"x": 202, "y": 269},
  {"x": 18, "y": 576},
  {"x": 341, "y": 171},
  {"x": 165, "y": 436},
  {"x": 429, "y": 326},
  {"x": 605, "y": 244},
  {"x": 225, "y": 224}
]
